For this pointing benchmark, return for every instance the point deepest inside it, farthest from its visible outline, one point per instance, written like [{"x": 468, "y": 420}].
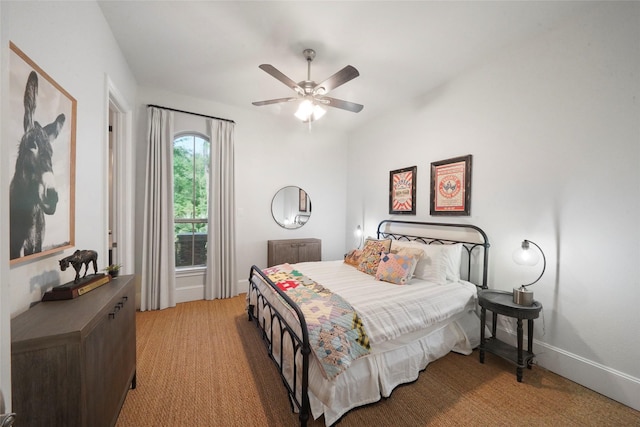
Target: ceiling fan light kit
[
  {"x": 311, "y": 95},
  {"x": 308, "y": 111}
]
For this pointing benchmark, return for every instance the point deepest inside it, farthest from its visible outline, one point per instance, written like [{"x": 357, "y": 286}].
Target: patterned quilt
[{"x": 336, "y": 334}]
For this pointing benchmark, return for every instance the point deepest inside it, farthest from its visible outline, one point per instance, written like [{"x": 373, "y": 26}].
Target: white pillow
[
  {"x": 431, "y": 266},
  {"x": 439, "y": 264},
  {"x": 453, "y": 259}
]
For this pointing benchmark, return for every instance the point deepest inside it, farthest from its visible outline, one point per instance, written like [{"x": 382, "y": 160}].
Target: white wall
[
  {"x": 72, "y": 43},
  {"x": 554, "y": 129},
  {"x": 270, "y": 152}
]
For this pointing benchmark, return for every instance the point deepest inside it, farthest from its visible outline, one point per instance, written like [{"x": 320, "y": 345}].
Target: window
[{"x": 191, "y": 154}]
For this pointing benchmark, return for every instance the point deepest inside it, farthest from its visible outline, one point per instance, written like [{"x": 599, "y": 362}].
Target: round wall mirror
[{"x": 291, "y": 207}]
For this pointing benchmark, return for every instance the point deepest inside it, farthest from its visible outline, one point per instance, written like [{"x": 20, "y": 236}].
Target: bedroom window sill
[{"x": 190, "y": 271}]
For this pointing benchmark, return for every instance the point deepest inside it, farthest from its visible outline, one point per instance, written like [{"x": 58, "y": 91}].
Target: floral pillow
[
  {"x": 370, "y": 257},
  {"x": 353, "y": 257},
  {"x": 394, "y": 268}
]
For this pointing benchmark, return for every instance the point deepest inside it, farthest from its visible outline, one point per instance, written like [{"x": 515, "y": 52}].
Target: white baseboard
[
  {"x": 243, "y": 286},
  {"x": 595, "y": 376},
  {"x": 189, "y": 293},
  {"x": 196, "y": 292}
]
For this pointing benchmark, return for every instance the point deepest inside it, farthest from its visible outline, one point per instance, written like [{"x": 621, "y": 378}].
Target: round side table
[{"x": 501, "y": 302}]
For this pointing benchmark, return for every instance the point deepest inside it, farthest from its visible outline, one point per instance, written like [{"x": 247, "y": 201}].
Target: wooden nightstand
[{"x": 500, "y": 302}]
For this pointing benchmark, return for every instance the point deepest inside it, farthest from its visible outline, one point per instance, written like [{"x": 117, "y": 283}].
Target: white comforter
[{"x": 388, "y": 310}]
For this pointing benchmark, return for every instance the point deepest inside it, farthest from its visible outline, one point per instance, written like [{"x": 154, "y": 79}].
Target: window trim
[{"x": 189, "y": 270}]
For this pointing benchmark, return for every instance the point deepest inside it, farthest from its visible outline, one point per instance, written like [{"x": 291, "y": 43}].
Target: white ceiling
[{"x": 403, "y": 50}]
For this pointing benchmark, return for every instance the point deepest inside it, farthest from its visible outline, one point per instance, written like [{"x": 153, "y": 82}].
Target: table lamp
[{"x": 527, "y": 256}]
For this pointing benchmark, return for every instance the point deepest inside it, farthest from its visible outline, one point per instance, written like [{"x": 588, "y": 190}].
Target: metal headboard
[{"x": 474, "y": 241}]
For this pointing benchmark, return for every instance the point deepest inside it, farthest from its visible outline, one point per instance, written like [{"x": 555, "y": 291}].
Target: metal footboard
[{"x": 299, "y": 341}]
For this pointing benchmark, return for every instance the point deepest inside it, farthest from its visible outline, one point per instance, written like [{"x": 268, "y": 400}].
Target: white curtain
[
  {"x": 158, "y": 257},
  {"x": 221, "y": 248}
]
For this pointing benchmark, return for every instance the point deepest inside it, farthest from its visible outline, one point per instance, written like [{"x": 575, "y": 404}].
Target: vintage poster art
[
  {"x": 402, "y": 191},
  {"x": 42, "y": 136},
  {"x": 451, "y": 186}
]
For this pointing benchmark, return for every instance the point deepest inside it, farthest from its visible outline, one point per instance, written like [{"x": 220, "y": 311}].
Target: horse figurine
[
  {"x": 32, "y": 193},
  {"x": 77, "y": 260}
]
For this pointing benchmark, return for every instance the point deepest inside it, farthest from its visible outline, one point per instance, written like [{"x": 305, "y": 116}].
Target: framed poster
[
  {"x": 302, "y": 200},
  {"x": 402, "y": 191},
  {"x": 451, "y": 186},
  {"x": 42, "y": 117}
]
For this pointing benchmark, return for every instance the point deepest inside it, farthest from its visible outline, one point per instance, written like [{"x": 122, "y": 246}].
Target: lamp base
[{"x": 522, "y": 296}]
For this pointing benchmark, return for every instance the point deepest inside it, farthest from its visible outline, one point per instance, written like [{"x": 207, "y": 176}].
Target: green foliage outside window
[{"x": 191, "y": 155}]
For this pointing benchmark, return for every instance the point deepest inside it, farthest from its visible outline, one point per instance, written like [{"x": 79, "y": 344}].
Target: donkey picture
[
  {"x": 32, "y": 193},
  {"x": 77, "y": 260}
]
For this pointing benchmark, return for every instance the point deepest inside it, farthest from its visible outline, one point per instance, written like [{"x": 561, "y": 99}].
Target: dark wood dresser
[
  {"x": 293, "y": 250},
  {"x": 73, "y": 361}
]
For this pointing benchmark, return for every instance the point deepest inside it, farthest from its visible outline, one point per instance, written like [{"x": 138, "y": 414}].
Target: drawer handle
[{"x": 116, "y": 308}]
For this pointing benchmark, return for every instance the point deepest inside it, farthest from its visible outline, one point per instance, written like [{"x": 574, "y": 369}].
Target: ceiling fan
[{"x": 313, "y": 96}]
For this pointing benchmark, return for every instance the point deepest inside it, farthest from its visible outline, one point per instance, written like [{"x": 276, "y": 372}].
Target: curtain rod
[{"x": 189, "y": 112}]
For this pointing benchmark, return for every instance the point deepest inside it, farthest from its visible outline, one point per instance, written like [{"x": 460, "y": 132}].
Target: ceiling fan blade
[
  {"x": 338, "y": 79},
  {"x": 273, "y": 101},
  {"x": 339, "y": 103},
  {"x": 270, "y": 69}
]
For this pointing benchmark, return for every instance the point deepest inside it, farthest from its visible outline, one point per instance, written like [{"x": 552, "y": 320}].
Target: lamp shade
[
  {"x": 305, "y": 110},
  {"x": 309, "y": 111},
  {"x": 525, "y": 255}
]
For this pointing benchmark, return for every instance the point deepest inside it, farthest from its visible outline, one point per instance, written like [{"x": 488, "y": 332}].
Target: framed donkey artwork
[{"x": 41, "y": 149}]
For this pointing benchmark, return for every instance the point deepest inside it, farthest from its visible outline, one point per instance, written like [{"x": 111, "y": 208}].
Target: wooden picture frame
[
  {"x": 42, "y": 118},
  {"x": 451, "y": 186},
  {"x": 302, "y": 200},
  {"x": 402, "y": 191}
]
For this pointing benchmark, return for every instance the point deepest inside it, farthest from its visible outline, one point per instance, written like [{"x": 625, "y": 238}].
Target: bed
[{"x": 394, "y": 327}]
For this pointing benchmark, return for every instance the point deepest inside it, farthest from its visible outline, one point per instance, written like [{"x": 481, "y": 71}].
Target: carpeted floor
[{"x": 203, "y": 364}]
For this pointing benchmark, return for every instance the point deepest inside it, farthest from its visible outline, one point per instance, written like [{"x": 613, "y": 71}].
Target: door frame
[{"x": 123, "y": 177}]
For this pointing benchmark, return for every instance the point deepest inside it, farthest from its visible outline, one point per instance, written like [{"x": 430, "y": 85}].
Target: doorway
[{"x": 120, "y": 194}]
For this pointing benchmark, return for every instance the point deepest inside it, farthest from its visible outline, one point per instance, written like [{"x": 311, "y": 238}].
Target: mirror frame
[{"x": 301, "y": 208}]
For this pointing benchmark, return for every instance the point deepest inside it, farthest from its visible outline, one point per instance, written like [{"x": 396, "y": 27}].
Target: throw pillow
[
  {"x": 353, "y": 257},
  {"x": 370, "y": 257},
  {"x": 394, "y": 268}
]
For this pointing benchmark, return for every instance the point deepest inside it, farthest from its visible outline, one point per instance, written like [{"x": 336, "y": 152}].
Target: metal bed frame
[{"x": 300, "y": 341}]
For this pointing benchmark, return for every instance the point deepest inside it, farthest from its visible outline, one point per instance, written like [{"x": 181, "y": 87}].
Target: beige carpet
[{"x": 203, "y": 364}]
